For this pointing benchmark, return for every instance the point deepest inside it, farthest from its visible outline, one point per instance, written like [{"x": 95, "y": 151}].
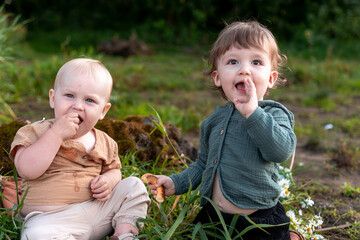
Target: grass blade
[{"x": 178, "y": 221}]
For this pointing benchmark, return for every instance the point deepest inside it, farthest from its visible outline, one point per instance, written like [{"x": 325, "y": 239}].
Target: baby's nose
[{"x": 78, "y": 105}]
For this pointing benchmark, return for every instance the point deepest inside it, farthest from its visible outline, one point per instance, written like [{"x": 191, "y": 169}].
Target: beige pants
[{"x": 92, "y": 219}]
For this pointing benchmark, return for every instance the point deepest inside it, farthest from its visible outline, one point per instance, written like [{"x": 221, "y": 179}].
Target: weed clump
[
  {"x": 140, "y": 134},
  {"x": 345, "y": 157},
  {"x": 7, "y": 133}
]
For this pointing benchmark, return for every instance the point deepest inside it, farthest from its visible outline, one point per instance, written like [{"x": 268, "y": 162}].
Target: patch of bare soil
[
  {"x": 322, "y": 176},
  {"x": 32, "y": 110},
  {"x": 324, "y": 182}
]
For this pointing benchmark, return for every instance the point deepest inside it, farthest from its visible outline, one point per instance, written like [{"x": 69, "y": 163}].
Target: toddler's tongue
[{"x": 240, "y": 86}]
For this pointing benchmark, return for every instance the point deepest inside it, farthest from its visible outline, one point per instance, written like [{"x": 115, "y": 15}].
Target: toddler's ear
[
  {"x": 273, "y": 78},
  {"x": 51, "y": 97},
  {"x": 215, "y": 76}
]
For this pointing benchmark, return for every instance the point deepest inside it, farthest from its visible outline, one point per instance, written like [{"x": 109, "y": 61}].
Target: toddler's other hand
[
  {"x": 100, "y": 187},
  {"x": 66, "y": 126},
  {"x": 165, "y": 181},
  {"x": 246, "y": 105}
]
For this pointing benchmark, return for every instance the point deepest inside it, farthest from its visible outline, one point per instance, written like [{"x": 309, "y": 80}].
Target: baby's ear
[
  {"x": 272, "y": 79},
  {"x": 51, "y": 97},
  {"x": 105, "y": 110}
]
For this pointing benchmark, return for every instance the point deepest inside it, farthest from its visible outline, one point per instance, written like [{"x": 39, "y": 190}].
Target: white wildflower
[
  {"x": 309, "y": 228},
  {"x": 307, "y": 203},
  {"x": 283, "y": 181},
  {"x": 317, "y": 237},
  {"x": 318, "y": 220},
  {"x": 300, "y": 212},
  {"x": 284, "y": 184},
  {"x": 294, "y": 221},
  {"x": 290, "y": 214},
  {"x": 302, "y": 231},
  {"x": 312, "y": 224}
]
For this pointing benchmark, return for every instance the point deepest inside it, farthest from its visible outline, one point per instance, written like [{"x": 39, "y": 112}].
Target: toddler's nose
[{"x": 244, "y": 69}]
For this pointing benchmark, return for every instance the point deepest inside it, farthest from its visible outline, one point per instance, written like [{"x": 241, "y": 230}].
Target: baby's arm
[
  {"x": 32, "y": 161},
  {"x": 102, "y": 185}
]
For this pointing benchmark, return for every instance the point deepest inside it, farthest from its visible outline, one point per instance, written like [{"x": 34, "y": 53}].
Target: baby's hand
[
  {"x": 246, "y": 105},
  {"x": 67, "y": 125},
  {"x": 100, "y": 187}
]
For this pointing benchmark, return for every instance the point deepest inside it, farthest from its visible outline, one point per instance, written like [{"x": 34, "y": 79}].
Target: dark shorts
[{"x": 273, "y": 216}]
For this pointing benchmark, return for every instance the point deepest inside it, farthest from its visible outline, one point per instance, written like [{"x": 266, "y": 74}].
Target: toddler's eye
[
  {"x": 69, "y": 95},
  {"x": 89, "y": 100},
  {"x": 256, "y": 62},
  {"x": 232, "y": 62}
]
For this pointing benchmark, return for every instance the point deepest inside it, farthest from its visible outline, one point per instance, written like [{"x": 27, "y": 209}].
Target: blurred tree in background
[{"x": 186, "y": 21}]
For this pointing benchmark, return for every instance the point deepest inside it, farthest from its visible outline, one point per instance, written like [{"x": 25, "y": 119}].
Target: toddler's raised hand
[
  {"x": 66, "y": 126},
  {"x": 247, "y": 104},
  {"x": 100, "y": 187}
]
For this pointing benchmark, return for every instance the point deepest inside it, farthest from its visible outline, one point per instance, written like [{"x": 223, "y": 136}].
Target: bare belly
[{"x": 225, "y": 205}]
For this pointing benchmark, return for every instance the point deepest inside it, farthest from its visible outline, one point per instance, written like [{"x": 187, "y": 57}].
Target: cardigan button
[
  {"x": 222, "y": 132},
  {"x": 215, "y": 161},
  {"x": 85, "y": 156}
]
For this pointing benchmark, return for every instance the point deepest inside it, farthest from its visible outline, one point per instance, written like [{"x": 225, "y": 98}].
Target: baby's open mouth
[{"x": 80, "y": 120}]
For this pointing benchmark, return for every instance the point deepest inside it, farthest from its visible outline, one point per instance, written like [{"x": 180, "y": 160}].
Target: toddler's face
[
  {"x": 83, "y": 95},
  {"x": 237, "y": 64}
]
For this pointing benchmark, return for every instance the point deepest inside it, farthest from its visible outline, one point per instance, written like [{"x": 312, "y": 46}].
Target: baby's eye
[
  {"x": 89, "y": 100},
  {"x": 256, "y": 62},
  {"x": 69, "y": 95},
  {"x": 232, "y": 62}
]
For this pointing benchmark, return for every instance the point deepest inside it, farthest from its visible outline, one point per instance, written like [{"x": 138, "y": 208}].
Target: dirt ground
[
  {"x": 323, "y": 173},
  {"x": 314, "y": 168}
]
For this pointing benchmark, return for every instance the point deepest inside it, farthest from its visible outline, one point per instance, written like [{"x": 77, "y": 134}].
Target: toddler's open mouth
[{"x": 240, "y": 86}]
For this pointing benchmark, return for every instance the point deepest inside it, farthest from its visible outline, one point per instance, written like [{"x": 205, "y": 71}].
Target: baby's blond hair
[{"x": 90, "y": 67}]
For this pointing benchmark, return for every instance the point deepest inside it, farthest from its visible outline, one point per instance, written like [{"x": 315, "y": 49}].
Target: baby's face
[
  {"x": 83, "y": 95},
  {"x": 238, "y": 64}
]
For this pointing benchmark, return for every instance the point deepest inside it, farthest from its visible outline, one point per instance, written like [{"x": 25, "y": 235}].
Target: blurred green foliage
[
  {"x": 184, "y": 21},
  {"x": 9, "y": 26},
  {"x": 11, "y": 33}
]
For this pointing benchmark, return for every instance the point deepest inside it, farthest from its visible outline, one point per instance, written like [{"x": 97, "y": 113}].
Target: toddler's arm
[
  {"x": 165, "y": 181},
  {"x": 271, "y": 130},
  {"x": 32, "y": 161},
  {"x": 102, "y": 185}
]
